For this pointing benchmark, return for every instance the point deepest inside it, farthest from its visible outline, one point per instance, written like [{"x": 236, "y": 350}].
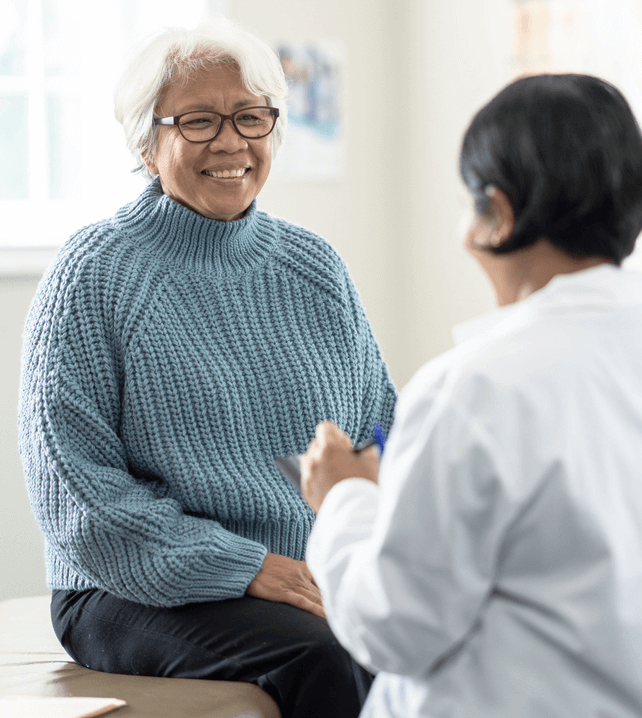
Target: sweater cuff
[
  {"x": 248, "y": 559},
  {"x": 224, "y": 573}
]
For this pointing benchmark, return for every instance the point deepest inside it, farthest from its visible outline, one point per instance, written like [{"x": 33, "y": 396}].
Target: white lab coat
[{"x": 497, "y": 569}]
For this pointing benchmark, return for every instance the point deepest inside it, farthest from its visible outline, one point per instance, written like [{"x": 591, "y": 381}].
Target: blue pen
[{"x": 379, "y": 436}]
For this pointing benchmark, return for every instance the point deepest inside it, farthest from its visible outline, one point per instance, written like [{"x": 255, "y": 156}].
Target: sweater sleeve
[
  {"x": 109, "y": 528},
  {"x": 318, "y": 265},
  {"x": 378, "y": 391}
]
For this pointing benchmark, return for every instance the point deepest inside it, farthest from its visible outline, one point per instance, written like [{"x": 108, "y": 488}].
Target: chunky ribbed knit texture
[{"x": 168, "y": 358}]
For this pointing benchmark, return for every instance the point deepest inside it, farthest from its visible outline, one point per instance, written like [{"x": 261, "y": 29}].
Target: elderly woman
[
  {"x": 171, "y": 353},
  {"x": 497, "y": 570}
]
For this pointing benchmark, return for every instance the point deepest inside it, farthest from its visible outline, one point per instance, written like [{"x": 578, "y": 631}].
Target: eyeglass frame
[{"x": 176, "y": 119}]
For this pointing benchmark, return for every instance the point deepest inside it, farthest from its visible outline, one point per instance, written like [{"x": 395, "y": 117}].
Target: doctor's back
[
  {"x": 496, "y": 571},
  {"x": 542, "y": 446}
]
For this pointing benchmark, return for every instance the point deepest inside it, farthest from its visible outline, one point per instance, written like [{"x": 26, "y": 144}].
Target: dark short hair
[{"x": 567, "y": 151}]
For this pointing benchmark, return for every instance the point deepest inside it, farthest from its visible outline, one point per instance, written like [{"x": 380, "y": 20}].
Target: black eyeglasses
[{"x": 250, "y": 122}]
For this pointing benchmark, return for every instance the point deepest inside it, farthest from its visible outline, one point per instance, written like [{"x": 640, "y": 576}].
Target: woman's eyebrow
[
  {"x": 245, "y": 103},
  {"x": 209, "y": 108}
]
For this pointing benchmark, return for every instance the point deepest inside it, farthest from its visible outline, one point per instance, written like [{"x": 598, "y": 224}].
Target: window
[{"x": 63, "y": 161}]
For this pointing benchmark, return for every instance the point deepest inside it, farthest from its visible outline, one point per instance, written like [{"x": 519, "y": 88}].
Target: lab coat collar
[{"x": 597, "y": 287}]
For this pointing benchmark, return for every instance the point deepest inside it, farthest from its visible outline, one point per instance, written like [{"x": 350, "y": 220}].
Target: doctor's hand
[{"x": 330, "y": 459}]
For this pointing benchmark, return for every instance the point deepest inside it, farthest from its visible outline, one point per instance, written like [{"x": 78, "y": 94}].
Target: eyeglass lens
[{"x": 252, "y": 122}]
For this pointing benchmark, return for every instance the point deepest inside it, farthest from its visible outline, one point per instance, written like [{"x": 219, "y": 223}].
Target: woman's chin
[{"x": 215, "y": 209}]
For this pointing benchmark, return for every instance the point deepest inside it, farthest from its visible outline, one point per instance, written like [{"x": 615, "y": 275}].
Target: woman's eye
[
  {"x": 248, "y": 119},
  {"x": 200, "y": 122}
]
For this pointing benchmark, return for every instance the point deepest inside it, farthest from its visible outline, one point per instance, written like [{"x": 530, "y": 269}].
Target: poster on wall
[{"x": 313, "y": 147}]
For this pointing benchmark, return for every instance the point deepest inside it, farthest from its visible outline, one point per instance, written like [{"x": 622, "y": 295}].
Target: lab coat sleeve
[{"x": 405, "y": 568}]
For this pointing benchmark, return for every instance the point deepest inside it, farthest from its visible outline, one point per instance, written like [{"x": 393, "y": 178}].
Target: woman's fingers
[
  {"x": 285, "y": 580},
  {"x": 300, "y": 601}
]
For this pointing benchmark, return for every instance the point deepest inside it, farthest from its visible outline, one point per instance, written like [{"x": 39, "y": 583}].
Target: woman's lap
[{"x": 288, "y": 652}]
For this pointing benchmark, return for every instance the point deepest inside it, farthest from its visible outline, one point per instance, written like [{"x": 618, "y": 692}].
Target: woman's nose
[{"x": 228, "y": 139}]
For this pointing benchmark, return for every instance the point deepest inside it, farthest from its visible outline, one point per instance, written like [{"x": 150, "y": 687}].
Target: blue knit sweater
[{"x": 168, "y": 358}]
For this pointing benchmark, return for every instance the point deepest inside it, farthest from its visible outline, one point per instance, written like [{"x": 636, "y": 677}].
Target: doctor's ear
[{"x": 500, "y": 213}]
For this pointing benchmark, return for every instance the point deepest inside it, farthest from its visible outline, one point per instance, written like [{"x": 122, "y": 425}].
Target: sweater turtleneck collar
[{"x": 181, "y": 236}]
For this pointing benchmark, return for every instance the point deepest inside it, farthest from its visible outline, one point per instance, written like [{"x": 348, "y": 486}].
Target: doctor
[{"x": 493, "y": 566}]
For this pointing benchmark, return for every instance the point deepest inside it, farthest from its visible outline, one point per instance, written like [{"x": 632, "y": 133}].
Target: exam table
[{"x": 33, "y": 663}]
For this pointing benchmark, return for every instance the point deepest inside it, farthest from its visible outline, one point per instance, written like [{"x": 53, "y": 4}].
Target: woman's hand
[
  {"x": 286, "y": 580},
  {"x": 330, "y": 459}
]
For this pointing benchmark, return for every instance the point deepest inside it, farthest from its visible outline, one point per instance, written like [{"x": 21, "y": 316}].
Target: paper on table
[{"x": 29, "y": 706}]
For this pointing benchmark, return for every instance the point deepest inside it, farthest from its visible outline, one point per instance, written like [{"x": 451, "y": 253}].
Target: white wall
[
  {"x": 423, "y": 67},
  {"x": 22, "y": 570},
  {"x": 456, "y": 57}
]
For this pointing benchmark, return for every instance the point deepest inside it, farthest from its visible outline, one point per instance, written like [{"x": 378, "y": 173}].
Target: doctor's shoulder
[{"x": 482, "y": 375}]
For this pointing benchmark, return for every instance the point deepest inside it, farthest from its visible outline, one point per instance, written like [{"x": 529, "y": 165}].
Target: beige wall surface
[{"x": 421, "y": 68}]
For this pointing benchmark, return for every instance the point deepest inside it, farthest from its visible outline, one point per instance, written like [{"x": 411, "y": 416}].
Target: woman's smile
[{"x": 238, "y": 173}]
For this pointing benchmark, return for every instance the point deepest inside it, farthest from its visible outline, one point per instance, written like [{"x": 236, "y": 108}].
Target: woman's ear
[
  {"x": 150, "y": 164},
  {"x": 500, "y": 212}
]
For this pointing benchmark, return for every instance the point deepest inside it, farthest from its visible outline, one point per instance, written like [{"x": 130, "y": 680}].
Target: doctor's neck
[{"x": 519, "y": 274}]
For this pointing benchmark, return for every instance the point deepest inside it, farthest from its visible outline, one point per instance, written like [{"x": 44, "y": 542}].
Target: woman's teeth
[{"x": 224, "y": 174}]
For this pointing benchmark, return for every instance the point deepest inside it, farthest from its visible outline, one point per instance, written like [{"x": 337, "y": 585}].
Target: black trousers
[{"x": 289, "y": 653}]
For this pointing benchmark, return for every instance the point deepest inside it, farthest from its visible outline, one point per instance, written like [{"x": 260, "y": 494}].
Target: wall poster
[{"x": 313, "y": 147}]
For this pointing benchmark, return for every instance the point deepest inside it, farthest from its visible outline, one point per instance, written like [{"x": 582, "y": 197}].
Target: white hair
[{"x": 178, "y": 52}]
